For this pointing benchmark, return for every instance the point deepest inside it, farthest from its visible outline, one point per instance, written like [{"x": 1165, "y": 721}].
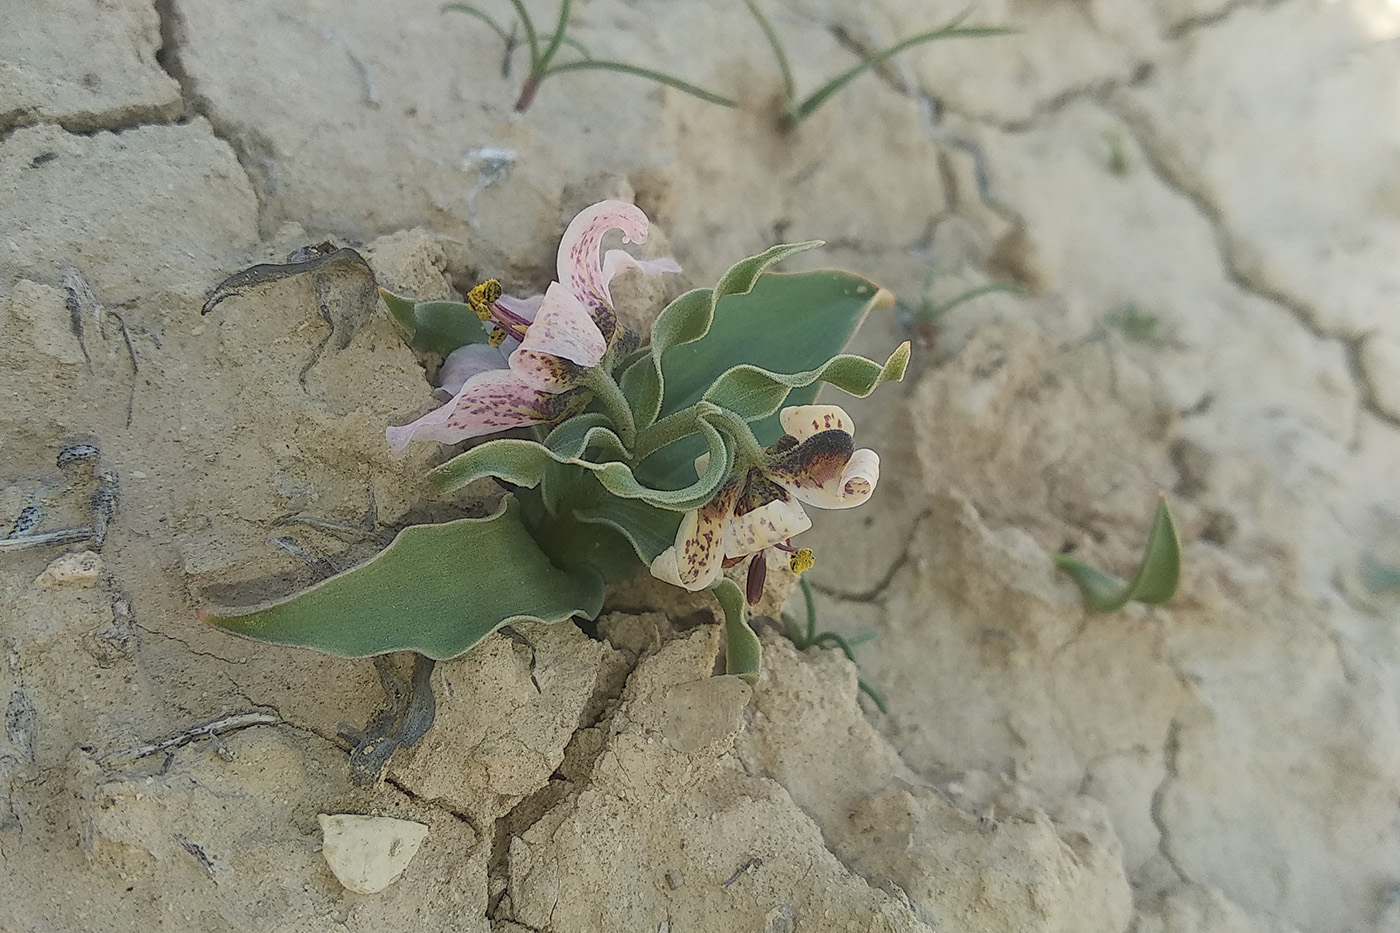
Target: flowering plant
[{"x": 687, "y": 455}]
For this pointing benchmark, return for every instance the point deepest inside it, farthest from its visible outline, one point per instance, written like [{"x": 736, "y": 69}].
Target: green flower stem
[
  {"x": 608, "y": 392},
  {"x": 809, "y": 599},
  {"x": 747, "y": 450},
  {"x": 666, "y": 431}
]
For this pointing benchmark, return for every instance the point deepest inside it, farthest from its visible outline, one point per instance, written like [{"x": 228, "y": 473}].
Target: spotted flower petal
[
  {"x": 463, "y": 363},
  {"x": 802, "y": 421},
  {"x": 851, "y": 487},
  {"x": 579, "y": 268},
  {"x": 489, "y": 401},
  {"x": 562, "y": 339},
  {"x": 617, "y": 261},
  {"x": 696, "y": 560},
  {"x": 764, "y": 527}
]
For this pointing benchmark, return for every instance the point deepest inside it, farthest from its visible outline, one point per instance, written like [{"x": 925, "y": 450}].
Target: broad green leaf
[
  {"x": 743, "y": 653},
  {"x": 436, "y": 589},
  {"x": 788, "y": 323},
  {"x": 688, "y": 319},
  {"x": 435, "y": 326},
  {"x": 1155, "y": 582}
]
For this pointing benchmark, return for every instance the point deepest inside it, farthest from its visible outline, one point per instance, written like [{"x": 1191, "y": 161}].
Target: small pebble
[
  {"x": 81, "y": 569},
  {"x": 368, "y": 853}
]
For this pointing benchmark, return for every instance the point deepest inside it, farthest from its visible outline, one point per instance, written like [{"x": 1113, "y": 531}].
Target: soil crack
[
  {"x": 251, "y": 150},
  {"x": 1178, "y": 180}
]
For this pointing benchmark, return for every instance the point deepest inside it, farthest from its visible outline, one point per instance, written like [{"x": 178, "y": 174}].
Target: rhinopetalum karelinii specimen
[
  {"x": 556, "y": 338},
  {"x": 687, "y": 455}
]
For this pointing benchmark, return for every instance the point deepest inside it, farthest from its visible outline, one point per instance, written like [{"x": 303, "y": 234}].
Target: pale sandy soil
[{"x": 1229, "y": 763}]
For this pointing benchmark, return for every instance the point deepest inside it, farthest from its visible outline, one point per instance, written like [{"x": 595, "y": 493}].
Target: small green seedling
[
  {"x": 810, "y": 637},
  {"x": 1136, "y": 324},
  {"x": 1379, "y": 577},
  {"x": 920, "y": 320},
  {"x": 1156, "y": 579},
  {"x": 543, "y": 49},
  {"x": 1118, "y": 163},
  {"x": 798, "y": 109}
]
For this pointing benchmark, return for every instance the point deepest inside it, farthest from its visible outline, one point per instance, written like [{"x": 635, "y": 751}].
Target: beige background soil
[{"x": 1224, "y": 170}]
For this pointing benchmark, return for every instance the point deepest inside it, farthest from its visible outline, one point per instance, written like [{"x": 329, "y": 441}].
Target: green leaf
[
  {"x": 436, "y": 589},
  {"x": 571, "y": 541},
  {"x": 1379, "y": 577},
  {"x": 1156, "y": 579},
  {"x": 743, "y": 653},
  {"x": 952, "y": 30},
  {"x": 648, "y": 529},
  {"x": 688, "y": 319},
  {"x": 479, "y": 14},
  {"x": 435, "y": 326},
  {"x": 753, "y": 393},
  {"x": 660, "y": 77},
  {"x": 786, "y": 323}
]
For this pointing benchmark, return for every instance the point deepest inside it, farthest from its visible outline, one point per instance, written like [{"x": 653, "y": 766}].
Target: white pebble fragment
[
  {"x": 368, "y": 853},
  {"x": 80, "y": 569}
]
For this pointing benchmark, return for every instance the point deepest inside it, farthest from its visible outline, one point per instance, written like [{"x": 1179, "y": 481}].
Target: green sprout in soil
[
  {"x": 1118, "y": 163},
  {"x": 1379, "y": 577},
  {"x": 544, "y": 47},
  {"x": 809, "y": 637},
  {"x": 921, "y": 319},
  {"x": 798, "y": 109},
  {"x": 1156, "y": 579},
  {"x": 1135, "y": 324}
]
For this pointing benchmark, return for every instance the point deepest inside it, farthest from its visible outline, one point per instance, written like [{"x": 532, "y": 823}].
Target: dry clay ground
[{"x": 1201, "y": 201}]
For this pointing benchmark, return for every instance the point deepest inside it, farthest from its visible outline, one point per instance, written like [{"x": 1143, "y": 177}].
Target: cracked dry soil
[{"x": 1198, "y": 198}]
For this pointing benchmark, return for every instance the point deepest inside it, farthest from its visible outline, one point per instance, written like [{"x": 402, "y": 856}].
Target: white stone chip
[
  {"x": 80, "y": 569},
  {"x": 368, "y": 853}
]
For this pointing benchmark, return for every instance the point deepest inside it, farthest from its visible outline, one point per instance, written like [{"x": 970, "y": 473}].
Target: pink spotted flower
[
  {"x": 555, "y": 337},
  {"x": 815, "y": 462}
]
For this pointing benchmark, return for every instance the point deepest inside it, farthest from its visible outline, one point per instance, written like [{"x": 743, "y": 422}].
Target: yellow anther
[
  {"x": 498, "y": 337},
  {"x": 480, "y": 298},
  {"x": 802, "y": 560}
]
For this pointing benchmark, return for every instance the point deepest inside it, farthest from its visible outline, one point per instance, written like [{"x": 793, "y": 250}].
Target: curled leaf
[
  {"x": 1156, "y": 579},
  {"x": 685, "y": 321},
  {"x": 751, "y": 392},
  {"x": 525, "y": 463}
]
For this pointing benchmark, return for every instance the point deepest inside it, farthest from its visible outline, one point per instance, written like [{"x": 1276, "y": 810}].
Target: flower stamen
[
  {"x": 484, "y": 300},
  {"x": 802, "y": 561},
  {"x": 757, "y": 577}
]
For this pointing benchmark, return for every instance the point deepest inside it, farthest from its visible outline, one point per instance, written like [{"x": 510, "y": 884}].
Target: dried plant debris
[
  {"x": 346, "y": 292},
  {"x": 408, "y": 713},
  {"x": 25, "y": 531}
]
